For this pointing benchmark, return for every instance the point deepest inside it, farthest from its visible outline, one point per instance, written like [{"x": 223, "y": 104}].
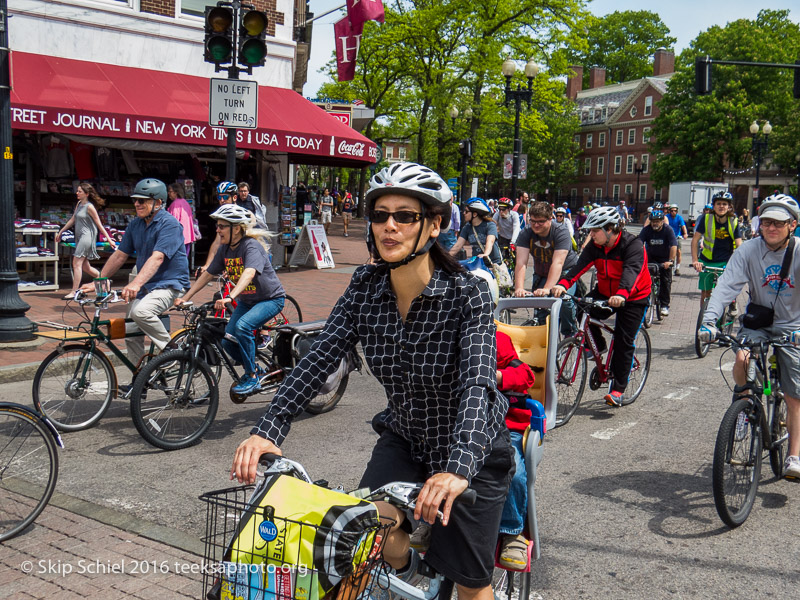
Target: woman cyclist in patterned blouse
[{"x": 428, "y": 336}]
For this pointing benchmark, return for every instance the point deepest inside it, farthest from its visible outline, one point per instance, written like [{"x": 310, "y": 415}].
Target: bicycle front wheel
[
  {"x": 73, "y": 387},
  {"x": 650, "y": 312},
  {"x": 737, "y": 462},
  {"x": 28, "y": 469},
  {"x": 700, "y": 348},
  {"x": 570, "y": 378},
  {"x": 174, "y": 400},
  {"x": 511, "y": 585},
  {"x": 640, "y": 367},
  {"x": 179, "y": 341},
  {"x": 779, "y": 435}
]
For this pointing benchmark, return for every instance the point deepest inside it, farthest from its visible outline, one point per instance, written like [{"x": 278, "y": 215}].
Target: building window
[
  {"x": 401, "y": 152},
  {"x": 657, "y": 194},
  {"x": 648, "y": 106},
  {"x": 628, "y": 189},
  {"x": 587, "y": 166},
  {"x": 573, "y": 193},
  {"x": 633, "y": 111},
  {"x": 196, "y": 8},
  {"x": 629, "y": 164},
  {"x": 645, "y": 162},
  {"x": 586, "y": 192},
  {"x": 646, "y": 135},
  {"x": 577, "y": 138},
  {"x": 643, "y": 191},
  {"x": 577, "y": 166},
  {"x": 601, "y": 163},
  {"x": 616, "y": 191},
  {"x": 620, "y": 133},
  {"x": 631, "y": 136},
  {"x": 389, "y": 153},
  {"x": 617, "y": 165},
  {"x": 598, "y": 193},
  {"x": 589, "y": 139},
  {"x": 605, "y": 113},
  {"x": 601, "y": 139}
]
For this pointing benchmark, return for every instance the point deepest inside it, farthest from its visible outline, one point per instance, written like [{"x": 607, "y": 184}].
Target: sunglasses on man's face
[
  {"x": 403, "y": 217},
  {"x": 224, "y": 197},
  {"x": 140, "y": 200}
]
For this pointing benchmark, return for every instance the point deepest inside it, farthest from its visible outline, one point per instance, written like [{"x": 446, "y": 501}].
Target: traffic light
[
  {"x": 219, "y": 35},
  {"x": 702, "y": 75},
  {"x": 796, "y": 88},
  {"x": 252, "y": 32}
]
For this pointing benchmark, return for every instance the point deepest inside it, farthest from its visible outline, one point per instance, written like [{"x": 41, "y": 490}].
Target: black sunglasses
[
  {"x": 140, "y": 200},
  {"x": 404, "y": 217}
]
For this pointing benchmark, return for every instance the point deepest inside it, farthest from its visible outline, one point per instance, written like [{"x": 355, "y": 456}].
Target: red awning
[{"x": 72, "y": 96}]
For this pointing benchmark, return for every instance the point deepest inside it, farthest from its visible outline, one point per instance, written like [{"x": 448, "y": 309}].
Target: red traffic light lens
[
  {"x": 219, "y": 19},
  {"x": 254, "y": 22}
]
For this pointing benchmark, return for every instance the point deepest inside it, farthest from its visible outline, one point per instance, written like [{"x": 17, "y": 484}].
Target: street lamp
[
  {"x": 518, "y": 96},
  {"x": 465, "y": 149},
  {"x": 548, "y": 168},
  {"x": 760, "y": 147},
  {"x": 638, "y": 169}
]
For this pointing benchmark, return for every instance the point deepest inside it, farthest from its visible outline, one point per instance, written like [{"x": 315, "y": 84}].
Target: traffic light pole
[
  {"x": 702, "y": 72},
  {"x": 14, "y": 325},
  {"x": 230, "y": 151}
]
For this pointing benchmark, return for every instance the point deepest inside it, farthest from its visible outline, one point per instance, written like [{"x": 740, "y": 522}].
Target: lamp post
[
  {"x": 548, "y": 169},
  {"x": 638, "y": 169},
  {"x": 760, "y": 147},
  {"x": 518, "y": 96},
  {"x": 465, "y": 149}
]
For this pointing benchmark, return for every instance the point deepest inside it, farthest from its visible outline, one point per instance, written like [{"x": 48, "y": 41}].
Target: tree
[
  {"x": 703, "y": 135},
  {"x": 623, "y": 43}
]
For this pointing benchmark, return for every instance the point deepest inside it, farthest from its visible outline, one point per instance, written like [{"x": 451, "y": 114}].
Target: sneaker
[
  {"x": 791, "y": 468},
  {"x": 263, "y": 342},
  {"x": 421, "y": 538},
  {"x": 677, "y": 272},
  {"x": 346, "y": 235},
  {"x": 665, "y": 311},
  {"x": 513, "y": 552},
  {"x": 614, "y": 398},
  {"x": 247, "y": 385},
  {"x": 741, "y": 427},
  {"x": 124, "y": 390}
]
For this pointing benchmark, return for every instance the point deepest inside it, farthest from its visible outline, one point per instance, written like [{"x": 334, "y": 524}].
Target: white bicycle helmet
[
  {"x": 600, "y": 217},
  {"x": 560, "y": 211},
  {"x": 778, "y": 206},
  {"x": 411, "y": 179},
  {"x": 233, "y": 213}
]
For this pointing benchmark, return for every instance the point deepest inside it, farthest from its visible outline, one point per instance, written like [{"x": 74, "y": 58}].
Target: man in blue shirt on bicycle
[
  {"x": 662, "y": 246},
  {"x": 758, "y": 264}
]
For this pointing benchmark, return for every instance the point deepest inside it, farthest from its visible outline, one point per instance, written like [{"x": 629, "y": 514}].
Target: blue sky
[{"x": 685, "y": 19}]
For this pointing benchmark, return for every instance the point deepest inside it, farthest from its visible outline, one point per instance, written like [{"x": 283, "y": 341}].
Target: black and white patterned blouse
[{"x": 438, "y": 367}]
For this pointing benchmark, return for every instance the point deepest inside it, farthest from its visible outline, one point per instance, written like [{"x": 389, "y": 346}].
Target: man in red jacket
[
  {"x": 623, "y": 279},
  {"x": 514, "y": 376}
]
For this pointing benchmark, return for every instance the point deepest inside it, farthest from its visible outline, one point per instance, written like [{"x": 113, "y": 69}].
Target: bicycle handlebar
[
  {"x": 781, "y": 341},
  {"x": 587, "y": 301},
  {"x": 82, "y": 298}
]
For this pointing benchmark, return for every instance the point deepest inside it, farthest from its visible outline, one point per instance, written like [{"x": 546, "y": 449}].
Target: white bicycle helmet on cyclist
[
  {"x": 779, "y": 207},
  {"x": 416, "y": 181},
  {"x": 601, "y": 217},
  {"x": 560, "y": 211},
  {"x": 233, "y": 213}
]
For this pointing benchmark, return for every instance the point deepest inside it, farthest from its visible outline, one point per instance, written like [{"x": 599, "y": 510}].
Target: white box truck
[{"x": 691, "y": 196}]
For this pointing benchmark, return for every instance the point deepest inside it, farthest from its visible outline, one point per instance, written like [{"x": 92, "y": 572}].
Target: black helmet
[{"x": 150, "y": 188}]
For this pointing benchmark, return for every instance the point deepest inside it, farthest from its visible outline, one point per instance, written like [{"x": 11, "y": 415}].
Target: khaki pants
[{"x": 145, "y": 312}]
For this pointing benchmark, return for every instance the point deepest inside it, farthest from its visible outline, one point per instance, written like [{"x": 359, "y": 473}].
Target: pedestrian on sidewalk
[
  {"x": 86, "y": 221},
  {"x": 347, "y": 211},
  {"x": 326, "y": 209},
  {"x": 180, "y": 209}
]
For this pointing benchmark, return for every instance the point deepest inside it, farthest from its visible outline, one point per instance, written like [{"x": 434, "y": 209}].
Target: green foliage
[
  {"x": 707, "y": 134},
  {"x": 622, "y": 42}
]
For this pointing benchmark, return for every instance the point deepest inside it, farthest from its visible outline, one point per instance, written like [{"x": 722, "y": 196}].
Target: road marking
[
  {"x": 728, "y": 366},
  {"x": 607, "y": 434},
  {"x": 680, "y": 394}
]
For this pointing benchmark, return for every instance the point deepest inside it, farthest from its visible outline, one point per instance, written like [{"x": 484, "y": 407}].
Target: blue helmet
[
  {"x": 226, "y": 187},
  {"x": 709, "y": 206},
  {"x": 479, "y": 206},
  {"x": 657, "y": 214}
]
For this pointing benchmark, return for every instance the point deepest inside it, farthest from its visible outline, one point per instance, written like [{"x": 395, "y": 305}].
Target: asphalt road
[{"x": 625, "y": 504}]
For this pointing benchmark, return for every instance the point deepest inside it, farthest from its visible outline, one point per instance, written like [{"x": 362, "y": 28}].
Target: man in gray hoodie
[{"x": 757, "y": 263}]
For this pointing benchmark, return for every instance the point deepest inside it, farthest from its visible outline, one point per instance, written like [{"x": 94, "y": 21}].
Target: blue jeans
[
  {"x": 515, "y": 510},
  {"x": 245, "y": 319}
]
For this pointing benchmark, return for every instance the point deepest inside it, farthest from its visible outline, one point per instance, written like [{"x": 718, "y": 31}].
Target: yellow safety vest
[{"x": 710, "y": 234}]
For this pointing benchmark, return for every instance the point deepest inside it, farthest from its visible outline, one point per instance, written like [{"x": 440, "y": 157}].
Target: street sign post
[{"x": 233, "y": 103}]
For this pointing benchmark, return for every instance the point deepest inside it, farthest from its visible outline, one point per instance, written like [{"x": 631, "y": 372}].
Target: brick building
[
  {"x": 616, "y": 123},
  {"x": 397, "y": 150}
]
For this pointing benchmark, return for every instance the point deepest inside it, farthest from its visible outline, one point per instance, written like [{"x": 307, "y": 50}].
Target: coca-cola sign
[{"x": 354, "y": 149}]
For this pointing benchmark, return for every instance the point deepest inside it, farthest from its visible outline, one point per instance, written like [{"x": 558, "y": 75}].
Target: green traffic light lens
[
  {"x": 220, "y": 19},
  {"x": 219, "y": 48},
  {"x": 253, "y": 52},
  {"x": 254, "y": 22}
]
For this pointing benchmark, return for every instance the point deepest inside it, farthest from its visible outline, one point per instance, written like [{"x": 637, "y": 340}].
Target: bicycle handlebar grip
[
  {"x": 268, "y": 458},
  {"x": 468, "y": 497}
]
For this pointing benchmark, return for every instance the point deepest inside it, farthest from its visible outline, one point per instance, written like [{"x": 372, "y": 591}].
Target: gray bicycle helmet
[
  {"x": 778, "y": 207},
  {"x": 233, "y": 213},
  {"x": 410, "y": 179},
  {"x": 600, "y": 217},
  {"x": 150, "y": 188}
]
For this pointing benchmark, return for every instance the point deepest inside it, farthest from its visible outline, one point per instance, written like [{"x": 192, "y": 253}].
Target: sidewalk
[{"x": 316, "y": 290}]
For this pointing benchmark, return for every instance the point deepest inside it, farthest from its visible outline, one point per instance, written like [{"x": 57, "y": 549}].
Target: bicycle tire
[
  {"x": 59, "y": 395},
  {"x": 289, "y": 314},
  {"x": 505, "y": 316},
  {"x": 29, "y": 465},
  {"x": 162, "y": 415},
  {"x": 323, "y": 403},
  {"x": 640, "y": 367},
  {"x": 511, "y": 585},
  {"x": 206, "y": 351},
  {"x": 570, "y": 379},
  {"x": 649, "y": 313},
  {"x": 777, "y": 428},
  {"x": 700, "y": 348},
  {"x": 735, "y": 479}
]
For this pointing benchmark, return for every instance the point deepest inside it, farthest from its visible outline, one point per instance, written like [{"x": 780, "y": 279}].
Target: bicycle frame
[{"x": 586, "y": 340}]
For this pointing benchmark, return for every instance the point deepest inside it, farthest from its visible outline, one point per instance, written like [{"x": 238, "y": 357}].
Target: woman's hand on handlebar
[
  {"x": 541, "y": 292},
  {"x": 223, "y": 303},
  {"x": 441, "y": 487},
  {"x": 245, "y": 461},
  {"x": 521, "y": 293},
  {"x": 616, "y": 301},
  {"x": 557, "y": 291}
]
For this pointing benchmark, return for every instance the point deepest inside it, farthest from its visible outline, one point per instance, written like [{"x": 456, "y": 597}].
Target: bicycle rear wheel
[
  {"x": 737, "y": 462},
  {"x": 700, "y": 348},
  {"x": 570, "y": 379},
  {"x": 779, "y": 436},
  {"x": 174, "y": 400},
  {"x": 28, "y": 469},
  {"x": 323, "y": 403},
  {"x": 511, "y": 585},
  {"x": 650, "y": 311},
  {"x": 73, "y": 387},
  {"x": 290, "y": 314},
  {"x": 640, "y": 367}
]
